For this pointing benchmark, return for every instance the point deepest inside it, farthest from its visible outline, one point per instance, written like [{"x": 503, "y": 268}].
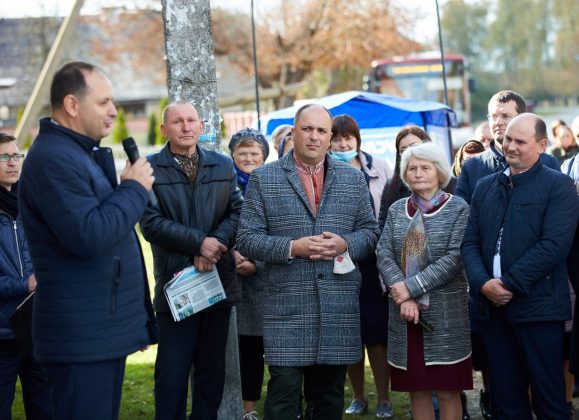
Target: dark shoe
[
  {"x": 571, "y": 409},
  {"x": 465, "y": 415},
  {"x": 485, "y": 406}
]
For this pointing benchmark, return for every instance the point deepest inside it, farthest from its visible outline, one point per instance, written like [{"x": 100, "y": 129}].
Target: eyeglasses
[
  {"x": 497, "y": 117},
  {"x": 16, "y": 156}
]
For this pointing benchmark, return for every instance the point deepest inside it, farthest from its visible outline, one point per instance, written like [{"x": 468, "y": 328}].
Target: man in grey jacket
[{"x": 306, "y": 215}]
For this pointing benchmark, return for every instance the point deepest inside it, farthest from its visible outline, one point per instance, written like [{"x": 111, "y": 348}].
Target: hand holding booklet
[{"x": 191, "y": 291}]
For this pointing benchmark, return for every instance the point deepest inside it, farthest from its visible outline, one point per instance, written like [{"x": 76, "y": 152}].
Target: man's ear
[
  {"x": 542, "y": 145},
  {"x": 71, "y": 105}
]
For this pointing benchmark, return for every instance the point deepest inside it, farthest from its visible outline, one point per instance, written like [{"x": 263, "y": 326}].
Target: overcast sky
[{"x": 426, "y": 9}]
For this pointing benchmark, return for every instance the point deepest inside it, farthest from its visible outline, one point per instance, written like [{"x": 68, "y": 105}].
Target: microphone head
[{"x": 131, "y": 149}]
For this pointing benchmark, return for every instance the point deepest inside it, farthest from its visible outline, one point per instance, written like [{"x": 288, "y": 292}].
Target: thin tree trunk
[{"x": 191, "y": 75}]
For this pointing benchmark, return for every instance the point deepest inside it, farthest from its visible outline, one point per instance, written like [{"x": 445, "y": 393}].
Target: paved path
[{"x": 473, "y": 400}]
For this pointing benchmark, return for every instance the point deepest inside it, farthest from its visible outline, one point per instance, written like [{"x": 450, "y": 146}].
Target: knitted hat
[{"x": 249, "y": 133}]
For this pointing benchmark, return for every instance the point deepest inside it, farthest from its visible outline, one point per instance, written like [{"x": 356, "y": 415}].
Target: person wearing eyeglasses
[
  {"x": 519, "y": 233},
  {"x": 502, "y": 108},
  {"x": 17, "y": 281}
]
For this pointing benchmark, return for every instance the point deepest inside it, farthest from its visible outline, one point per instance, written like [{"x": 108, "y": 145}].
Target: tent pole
[
  {"x": 255, "y": 67},
  {"x": 444, "y": 77}
]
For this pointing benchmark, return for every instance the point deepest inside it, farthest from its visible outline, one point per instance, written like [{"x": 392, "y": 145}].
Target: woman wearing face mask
[{"x": 345, "y": 146}]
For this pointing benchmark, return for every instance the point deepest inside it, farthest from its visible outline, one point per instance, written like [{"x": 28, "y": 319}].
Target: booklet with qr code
[{"x": 191, "y": 291}]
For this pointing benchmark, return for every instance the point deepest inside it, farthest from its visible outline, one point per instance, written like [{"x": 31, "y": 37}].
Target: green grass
[{"x": 138, "y": 402}]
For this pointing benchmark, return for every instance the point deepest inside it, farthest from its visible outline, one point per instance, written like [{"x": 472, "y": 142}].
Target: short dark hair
[
  {"x": 345, "y": 126},
  {"x": 69, "y": 80},
  {"x": 307, "y": 106},
  {"x": 6, "y": 138},
  {"x": 505, "y": 96},
  {"x": 540, "y": 129}
]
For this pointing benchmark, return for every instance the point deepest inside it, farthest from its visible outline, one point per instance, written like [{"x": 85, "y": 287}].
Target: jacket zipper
[
  {"x": 116, "y": 281},
  {"x": 18, "y": 249}
]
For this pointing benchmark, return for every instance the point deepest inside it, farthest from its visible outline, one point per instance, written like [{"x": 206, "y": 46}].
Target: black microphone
[{"x": 132, "y": 152}]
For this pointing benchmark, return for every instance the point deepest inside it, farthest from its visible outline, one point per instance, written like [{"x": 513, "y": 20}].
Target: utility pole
[
  {"x": 191, "y": 75},
  {"x": 50, "y": 65}
]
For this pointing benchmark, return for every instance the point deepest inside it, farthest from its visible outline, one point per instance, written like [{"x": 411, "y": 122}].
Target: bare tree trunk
[{"x": 191, "y": 75}]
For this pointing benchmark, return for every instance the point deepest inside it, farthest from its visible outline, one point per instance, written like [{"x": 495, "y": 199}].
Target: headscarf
[{"x": 249, "y": 133}]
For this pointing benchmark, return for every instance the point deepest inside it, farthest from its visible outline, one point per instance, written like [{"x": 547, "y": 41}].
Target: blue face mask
[{"x": 345, "y": 156}]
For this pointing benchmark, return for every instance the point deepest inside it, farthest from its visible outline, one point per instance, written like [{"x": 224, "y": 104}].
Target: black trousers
[
  {"x": 86, "y": 391},
  {"x": 522, "y": 356},
  {"x": 35, "y": 390},
  {"x": 198, "y": 341},
  {"x": 324, "y": 392},
  {"x": 251, "y": 366}
]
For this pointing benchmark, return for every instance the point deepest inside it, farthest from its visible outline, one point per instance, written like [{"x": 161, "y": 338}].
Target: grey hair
[
  {"x": 429, "y": 152},
  {"x": 278, "y": 131}
]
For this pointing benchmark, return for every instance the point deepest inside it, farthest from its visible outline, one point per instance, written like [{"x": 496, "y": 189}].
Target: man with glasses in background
[
  {"x": 17, "y": 281},
  {"x": 502, "y": 108}
]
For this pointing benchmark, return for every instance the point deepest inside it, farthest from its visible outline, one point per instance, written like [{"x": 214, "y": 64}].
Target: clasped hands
[
  {"x": 211, "y": 252},
  {"x": 244, "y": 266},
  {"x": 496, "y": 292},
  {"x": 409, "y": 310},
  {"x": 321, "y": 247}
]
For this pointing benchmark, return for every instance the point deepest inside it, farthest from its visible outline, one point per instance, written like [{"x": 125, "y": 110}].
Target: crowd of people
[{"x": 327, "y": 253}]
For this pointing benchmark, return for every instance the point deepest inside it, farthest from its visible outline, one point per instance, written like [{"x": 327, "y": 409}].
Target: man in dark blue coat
[
  {"x": 91, "y": 307},
  {"x": 195, "y": 223},
  {"x": 502, "y": 108},
  {"x": 519, "y": 233},
  {"x": 17, "y": 281}
]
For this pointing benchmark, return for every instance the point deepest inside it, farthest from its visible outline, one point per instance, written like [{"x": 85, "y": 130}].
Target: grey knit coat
[{"x": 443, "y": 280}]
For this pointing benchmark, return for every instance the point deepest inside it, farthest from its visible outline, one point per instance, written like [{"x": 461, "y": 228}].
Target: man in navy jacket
[
  {"x": 519, "y": 233},
  {"x": 91, "y": 306},
  {"x": 17, "y": 281},
  {"x": 502, "y": 108}
]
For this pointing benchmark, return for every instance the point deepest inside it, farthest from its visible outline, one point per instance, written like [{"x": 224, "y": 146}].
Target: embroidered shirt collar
[{"x": 309, "y": 169}]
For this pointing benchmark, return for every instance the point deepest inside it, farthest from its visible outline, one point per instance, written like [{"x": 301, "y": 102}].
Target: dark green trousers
[{"x": 323, "y": 391}]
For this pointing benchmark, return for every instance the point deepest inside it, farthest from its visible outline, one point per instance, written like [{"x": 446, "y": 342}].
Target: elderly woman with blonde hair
[{"x": 419, "y": 260}]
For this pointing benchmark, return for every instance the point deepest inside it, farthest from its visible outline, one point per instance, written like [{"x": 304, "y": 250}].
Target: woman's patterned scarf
[{"x": 415, "y": 252}]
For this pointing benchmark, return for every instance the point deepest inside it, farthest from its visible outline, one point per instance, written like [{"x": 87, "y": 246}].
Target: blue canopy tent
[{"x": 379, "y": 117}]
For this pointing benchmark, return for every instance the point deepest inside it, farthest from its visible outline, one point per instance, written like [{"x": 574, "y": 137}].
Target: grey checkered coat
[{"x": 311, "y": 315}]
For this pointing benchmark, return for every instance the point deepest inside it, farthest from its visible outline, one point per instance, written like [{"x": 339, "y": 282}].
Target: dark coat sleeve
[
  {"x": 471, "y": 248},
  {"x": 463, "y": 182},
  {"x": 85, "y": 224}
]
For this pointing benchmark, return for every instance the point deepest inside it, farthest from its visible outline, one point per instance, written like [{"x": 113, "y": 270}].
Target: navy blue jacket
[
  {"x": 489, "y": 162},
  {"x": 538, "y": 210},
  {"x": 90, "y": 302},
  {"x": 15, "y": 269}
]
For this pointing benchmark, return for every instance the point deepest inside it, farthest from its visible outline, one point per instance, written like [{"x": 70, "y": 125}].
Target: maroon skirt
[{"x": 419, "y": 377}]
